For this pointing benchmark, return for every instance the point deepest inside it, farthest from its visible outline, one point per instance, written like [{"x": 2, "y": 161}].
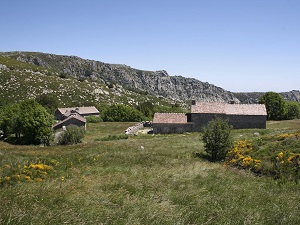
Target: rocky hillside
[
  {"x": 123, "y": 79},
  {"x": 21, "y": 80},
  {"x": 157, "y": 83}
]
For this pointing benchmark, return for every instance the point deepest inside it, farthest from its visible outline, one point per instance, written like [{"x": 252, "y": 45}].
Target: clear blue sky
[{"x": 239, "y": 45}]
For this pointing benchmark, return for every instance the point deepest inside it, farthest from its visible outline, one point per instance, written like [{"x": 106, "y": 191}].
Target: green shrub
[
  {"x": 94, "y": 119},
  {"x": 216, "y": 138},
  {"x": 121, "y": 113},
  {"x": 73, "y": 135}
]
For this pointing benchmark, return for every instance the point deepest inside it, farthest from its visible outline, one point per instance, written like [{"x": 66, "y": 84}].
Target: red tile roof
[
  {"x": 229, "y": 109},
  {"x": 170, "y": 118}
]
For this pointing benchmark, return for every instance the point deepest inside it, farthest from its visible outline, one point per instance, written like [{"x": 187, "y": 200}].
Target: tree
[
  {"x": 29, "y": 121},
  {"x": 292, "y": 110},
  {"x": 9, "y": 119},
  {"x": 217, "y": 139},
  {"x": 121, "y": 113},
  {"x": 48, "y": 101},
  {"x": 35, "y": 122},
  {"x": 147, "y": 108},
  {"x": 275, "y": 105}
]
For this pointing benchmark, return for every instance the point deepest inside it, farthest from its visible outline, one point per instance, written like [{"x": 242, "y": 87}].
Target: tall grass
[{"x": 118, "y": 182}]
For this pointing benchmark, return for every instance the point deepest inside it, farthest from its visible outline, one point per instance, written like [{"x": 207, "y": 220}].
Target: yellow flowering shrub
[
  {"x": 287, "y": 166},
  {"x": 239, "y": 156},
  {"x": 11, "y": 174},
  {"x": 282, "y": 137}
]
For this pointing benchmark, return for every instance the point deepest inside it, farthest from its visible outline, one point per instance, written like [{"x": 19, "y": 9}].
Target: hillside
[
  {"x": 74, "y": 80},
  {"x": 21, "y": 80},
  {"x": 157, "y": 83}
]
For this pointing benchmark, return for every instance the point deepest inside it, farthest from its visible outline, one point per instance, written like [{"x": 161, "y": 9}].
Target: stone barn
[
  {"x": 167, "y": 123},
  {"x": 63, "y": 113},
  {"x": 240, "y": 116},
  {"x": 71, "y": 120}
]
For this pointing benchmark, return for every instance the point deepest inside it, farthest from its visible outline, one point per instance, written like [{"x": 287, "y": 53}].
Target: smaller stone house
[
  {"x": 168, "y": 123},
  {"x": 63, "y": 113},
  {"x": 71, "y": 120}
]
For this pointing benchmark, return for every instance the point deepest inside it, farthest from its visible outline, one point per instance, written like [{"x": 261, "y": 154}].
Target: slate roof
[
  {"x": 80, "y": 110},
  {"x": 229, "y": 109},
  {"x": 170, "y": 118}
]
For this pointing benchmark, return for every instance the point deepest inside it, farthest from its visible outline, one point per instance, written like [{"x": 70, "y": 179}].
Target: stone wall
[
  {"x": 237, "y": 121},
  {"x": 175, "y": 128},
  {"x": 135, "y": 128}
]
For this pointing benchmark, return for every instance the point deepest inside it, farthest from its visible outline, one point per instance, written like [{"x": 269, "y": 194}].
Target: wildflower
[{"x": 280, "y": 155}]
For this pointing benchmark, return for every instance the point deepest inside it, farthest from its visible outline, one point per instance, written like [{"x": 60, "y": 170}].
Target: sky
[{"x": 239, "y": 45}]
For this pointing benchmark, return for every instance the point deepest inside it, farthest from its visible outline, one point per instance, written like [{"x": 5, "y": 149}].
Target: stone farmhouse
[
  {"x": 63, "y": 113},
  {"x": 240, "y": 116},
  {"x": 73, "y": 116},
  {"x": 71, "y": 120}
]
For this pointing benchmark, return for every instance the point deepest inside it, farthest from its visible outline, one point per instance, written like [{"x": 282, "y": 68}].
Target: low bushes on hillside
[{"x": 276, "y": 156}]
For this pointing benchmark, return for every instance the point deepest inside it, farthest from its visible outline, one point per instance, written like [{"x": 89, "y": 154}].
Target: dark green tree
[
  {"x": 275, "y": 105},
  {"x": 292, "y": 110},
  {"x": 9, "y": 120},
  {"x": 121, "y": 113},
  {"x": 217, "y": 139},
  {"x": 35, "y": 122},
  {"x": 29, "y": 121},
  {"x": 147, "y": 108},
  {"x": 49, "y": 102}
]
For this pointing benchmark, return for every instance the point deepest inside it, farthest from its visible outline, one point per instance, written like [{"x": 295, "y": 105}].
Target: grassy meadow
[{"x": 163, "y": 182}]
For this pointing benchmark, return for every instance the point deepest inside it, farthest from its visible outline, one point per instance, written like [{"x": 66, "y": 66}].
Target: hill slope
[
  {"x": 157, "y": 83},
  {"x": 117, "y": 83},
  {"x": 20, "y": 80}
]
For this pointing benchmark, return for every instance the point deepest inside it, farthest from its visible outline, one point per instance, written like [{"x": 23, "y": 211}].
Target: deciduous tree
[{"x": 275, "y": 105}]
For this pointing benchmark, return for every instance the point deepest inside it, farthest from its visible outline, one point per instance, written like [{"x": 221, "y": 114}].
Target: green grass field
[{"x": 116, "y": 182}]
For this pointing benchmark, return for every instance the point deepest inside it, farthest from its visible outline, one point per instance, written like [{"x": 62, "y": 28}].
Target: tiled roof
[
  {"x": 246, "y": 109},
  {"x": 170, "y": 118},
  {"x": 229, "y": 109},
  {"x": 80, "y": 118},
  {"x": 208, "y": 107},
  {"x": 80, "y": 110}
]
